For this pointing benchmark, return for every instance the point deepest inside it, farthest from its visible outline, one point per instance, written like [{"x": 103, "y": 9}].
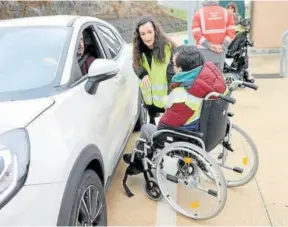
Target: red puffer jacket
[{"x": 208, "y": 80}]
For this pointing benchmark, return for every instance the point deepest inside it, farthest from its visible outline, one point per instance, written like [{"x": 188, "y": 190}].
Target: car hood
[{"x": 18, "y": 114}]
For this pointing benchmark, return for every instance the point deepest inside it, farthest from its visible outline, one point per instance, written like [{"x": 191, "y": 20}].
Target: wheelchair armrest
[{"x": 195, "y": 134}]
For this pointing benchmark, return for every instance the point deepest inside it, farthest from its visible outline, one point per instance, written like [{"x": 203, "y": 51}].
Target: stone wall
[
  {"x": 126, "y": 26},
  {"x": 122, "y": 14}
]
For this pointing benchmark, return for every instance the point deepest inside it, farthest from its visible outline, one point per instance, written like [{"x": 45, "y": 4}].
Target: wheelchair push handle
[
  {"x": 250, "y": 85},
  {"x": 238, "y": 83},
  {"x": 223, "y": 97},
  {"x": 227, "y": 98}
]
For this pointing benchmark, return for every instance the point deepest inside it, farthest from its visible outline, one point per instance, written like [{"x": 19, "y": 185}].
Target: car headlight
[{"x": 14, "y": 163}]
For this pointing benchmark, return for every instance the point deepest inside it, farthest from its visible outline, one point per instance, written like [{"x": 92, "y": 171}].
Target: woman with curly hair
[{"x": 152, "y": 63}]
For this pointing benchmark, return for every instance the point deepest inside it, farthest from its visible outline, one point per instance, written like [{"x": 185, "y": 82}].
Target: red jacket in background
[{"x": 214, "y": 24}]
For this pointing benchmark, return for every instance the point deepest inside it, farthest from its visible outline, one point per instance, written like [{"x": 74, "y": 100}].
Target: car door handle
[
  {"x": 117, "y": 76},
  {"x": 119, "y": 79}
]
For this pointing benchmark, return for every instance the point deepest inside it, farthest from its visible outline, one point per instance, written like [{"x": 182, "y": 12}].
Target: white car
[{"x": 62, "y": 133}]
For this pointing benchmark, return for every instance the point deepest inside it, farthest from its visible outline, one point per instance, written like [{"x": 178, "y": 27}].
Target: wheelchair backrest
[
  {"x": 237, "y": 43},
  {"x": 213, "y": 122}
]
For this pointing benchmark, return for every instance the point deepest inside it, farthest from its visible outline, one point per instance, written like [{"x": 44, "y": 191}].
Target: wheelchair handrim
[
  {"x": 254, "y": 150},
  {"x": 253, "y": 171},
  {"x": 211, "y": 164}
]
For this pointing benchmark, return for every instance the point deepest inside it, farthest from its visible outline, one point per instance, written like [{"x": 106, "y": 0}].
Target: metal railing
[{"x": 284, "y": 56}]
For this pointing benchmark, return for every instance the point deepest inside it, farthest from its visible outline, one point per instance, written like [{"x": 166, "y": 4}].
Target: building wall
[{"x": 269, "y": 19}]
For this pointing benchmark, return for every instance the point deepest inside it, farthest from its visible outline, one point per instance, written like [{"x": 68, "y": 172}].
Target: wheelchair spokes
[
  {"x": 239, "y": 166},
  {"x": 181, "y": 180},
  {"x": 190, "y": 174}
]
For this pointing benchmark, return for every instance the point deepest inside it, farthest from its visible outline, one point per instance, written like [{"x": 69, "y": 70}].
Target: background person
[
  {"x": 213, "y": 28},
  {"x": 232, "y": 8}
]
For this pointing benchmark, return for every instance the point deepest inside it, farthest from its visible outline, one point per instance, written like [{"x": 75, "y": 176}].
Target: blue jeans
[{"x": 193, "y": 126}]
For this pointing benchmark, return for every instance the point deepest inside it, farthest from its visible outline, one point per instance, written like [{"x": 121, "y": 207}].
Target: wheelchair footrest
[
  {"x": 238, "y": 170},
  {"x": 172, "y": 178},
  {"x": 212, "y": 192}
]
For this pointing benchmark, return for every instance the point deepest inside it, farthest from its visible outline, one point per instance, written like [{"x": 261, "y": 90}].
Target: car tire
[
  {"x": 83, "y": 211},
  {"x": 143, "y": 116}
]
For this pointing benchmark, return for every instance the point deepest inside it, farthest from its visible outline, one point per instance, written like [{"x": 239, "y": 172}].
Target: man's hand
[
  {"x": 146, "y": 81},
  {"x": 219, "y": 49},
  {"x": 216, "y": 48},
  {"x": 213, "y": 48}
]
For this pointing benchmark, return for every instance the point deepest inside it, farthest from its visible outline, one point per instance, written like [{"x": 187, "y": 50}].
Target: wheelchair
[
  {"x": 195, "y": 166},
  {"x": 236, "y": 66}
]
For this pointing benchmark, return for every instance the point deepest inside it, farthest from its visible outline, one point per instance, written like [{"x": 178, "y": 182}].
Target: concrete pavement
[
  {"x": 263, "y": 201},
  {"x": 268, "y": 128}
]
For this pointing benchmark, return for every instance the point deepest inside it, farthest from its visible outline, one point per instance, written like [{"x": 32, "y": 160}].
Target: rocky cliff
[{"x": 122, "y": 14}]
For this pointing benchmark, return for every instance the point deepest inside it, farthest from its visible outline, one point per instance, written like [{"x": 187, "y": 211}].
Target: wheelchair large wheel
[
  {"x": 240, "y": 165},
  {"x": 230, "y": 78},
  {"x": 179, "y": 175}
]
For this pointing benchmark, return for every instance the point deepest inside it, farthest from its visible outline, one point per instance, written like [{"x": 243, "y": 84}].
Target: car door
[
  {"x": 115, "y": 49},
  {"x": 91, "y": 119}
]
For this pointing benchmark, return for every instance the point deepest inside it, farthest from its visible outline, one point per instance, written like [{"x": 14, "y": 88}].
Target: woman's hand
[{"x": 146, "y": 82}]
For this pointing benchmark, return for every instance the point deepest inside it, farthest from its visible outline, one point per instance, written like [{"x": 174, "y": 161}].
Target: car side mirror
[{"x": 100, "y": 70}]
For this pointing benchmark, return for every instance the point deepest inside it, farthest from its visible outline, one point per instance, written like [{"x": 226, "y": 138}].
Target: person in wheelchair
[{"x": 194, "y": 79}]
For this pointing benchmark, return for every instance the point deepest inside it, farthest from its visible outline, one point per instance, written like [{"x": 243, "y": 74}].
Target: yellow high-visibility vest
[{"x": 157, "y": 93}]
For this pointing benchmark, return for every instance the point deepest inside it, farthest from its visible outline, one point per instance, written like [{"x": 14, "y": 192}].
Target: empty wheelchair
[
  {"x": 177, "y": 164},
  {"x": 238, "y": 158}
]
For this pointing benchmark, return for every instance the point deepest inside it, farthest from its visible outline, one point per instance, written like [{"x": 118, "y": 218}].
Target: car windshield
[{"x": 29, "y": 56}]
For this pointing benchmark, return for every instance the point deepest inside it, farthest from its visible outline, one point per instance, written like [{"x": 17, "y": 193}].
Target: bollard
[{"x": 284, "y": 56}]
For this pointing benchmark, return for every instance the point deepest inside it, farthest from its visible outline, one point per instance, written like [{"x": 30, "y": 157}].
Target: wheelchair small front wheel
[
  {"x": 179, "y": 173},
  {"x": 152, "y": 190}
]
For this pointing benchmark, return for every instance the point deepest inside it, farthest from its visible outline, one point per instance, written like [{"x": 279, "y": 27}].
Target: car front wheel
[
  {"x": 89, "y": 207},
  {"x": 143, "y": 116}
]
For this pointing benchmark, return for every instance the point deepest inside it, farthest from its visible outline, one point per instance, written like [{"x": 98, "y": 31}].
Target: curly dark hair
[
  {"x": 188, "y": 57},
  {"x": 159, "y": 44}
]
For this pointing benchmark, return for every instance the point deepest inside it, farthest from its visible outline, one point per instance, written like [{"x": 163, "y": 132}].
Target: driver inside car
[{"x": 85, "y": 59}]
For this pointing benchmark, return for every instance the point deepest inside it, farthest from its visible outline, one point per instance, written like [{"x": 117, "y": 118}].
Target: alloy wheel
[{"x": 90, "y": 210}]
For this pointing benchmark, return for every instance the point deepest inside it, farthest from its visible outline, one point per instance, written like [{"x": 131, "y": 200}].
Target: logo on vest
[{"x": 214, "y": 16}]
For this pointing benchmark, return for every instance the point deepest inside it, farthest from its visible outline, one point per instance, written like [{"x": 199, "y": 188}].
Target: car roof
[{"x": 55, "y": 20}]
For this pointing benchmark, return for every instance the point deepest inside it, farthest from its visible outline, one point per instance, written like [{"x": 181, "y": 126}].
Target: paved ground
[{"x": 264, "y": 201}]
